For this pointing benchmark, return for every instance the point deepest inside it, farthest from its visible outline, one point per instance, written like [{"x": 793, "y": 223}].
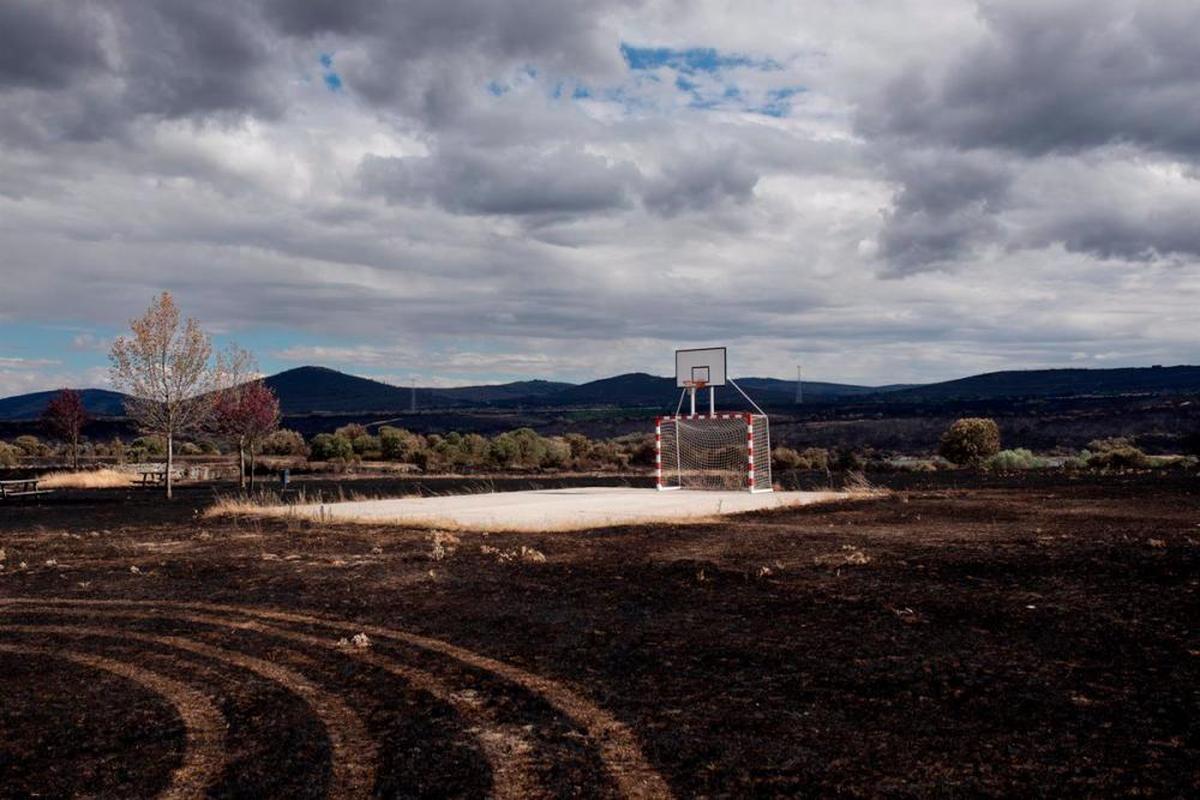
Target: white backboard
[{"x": 707, "y": 364}]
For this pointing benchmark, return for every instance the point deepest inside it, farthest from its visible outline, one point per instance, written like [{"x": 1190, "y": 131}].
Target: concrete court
[{"x": 557, "y": 509}]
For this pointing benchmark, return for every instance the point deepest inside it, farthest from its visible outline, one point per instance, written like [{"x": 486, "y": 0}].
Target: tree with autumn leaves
[
  {"x": 65, "y": 415},
  {"x": 166, "y": 368},
  {"x": 175, "y": 385},
  {"x": 246, "y": 410}
]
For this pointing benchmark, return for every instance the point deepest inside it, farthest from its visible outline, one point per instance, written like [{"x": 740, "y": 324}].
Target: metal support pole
[
  {"x": 692, "y": 393},
  {"x": 712, "y": 401}
]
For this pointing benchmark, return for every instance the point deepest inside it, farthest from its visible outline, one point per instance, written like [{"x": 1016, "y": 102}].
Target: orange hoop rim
[{"x": 695, "y": 384}]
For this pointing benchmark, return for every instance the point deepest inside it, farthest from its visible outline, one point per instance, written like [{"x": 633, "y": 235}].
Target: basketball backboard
[{"x": 705, "y": 366}]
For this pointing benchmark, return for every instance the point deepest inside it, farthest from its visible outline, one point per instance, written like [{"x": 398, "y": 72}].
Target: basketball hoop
[{"x": 695, "y": 384}]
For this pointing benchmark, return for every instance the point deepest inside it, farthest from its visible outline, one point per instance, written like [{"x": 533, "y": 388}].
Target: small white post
[
  {"x": 692, "y": 393},
  {"x": 712, "y": 401}
]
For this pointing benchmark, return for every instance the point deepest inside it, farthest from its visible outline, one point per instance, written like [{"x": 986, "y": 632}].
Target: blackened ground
[{"x": 964, "y": 635}]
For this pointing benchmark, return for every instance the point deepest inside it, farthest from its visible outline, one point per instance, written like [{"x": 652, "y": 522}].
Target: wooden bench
[{"x": 26, "y": 487}]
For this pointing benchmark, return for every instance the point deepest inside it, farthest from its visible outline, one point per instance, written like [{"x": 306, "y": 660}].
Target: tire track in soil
[
  {"x": 352, "y": 751},
  {"x": 204, "y": 749},
  {"x": 618, "y": 749},
  {"x": 506, "y": 746}
]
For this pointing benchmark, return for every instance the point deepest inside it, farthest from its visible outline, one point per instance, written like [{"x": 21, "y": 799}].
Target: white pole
[
  {"x": 712, "y": 401},
  {"x": 692, "y": 392}
]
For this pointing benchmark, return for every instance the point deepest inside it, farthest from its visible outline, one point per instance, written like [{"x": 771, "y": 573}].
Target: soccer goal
[{"x": 711, "y": 451}]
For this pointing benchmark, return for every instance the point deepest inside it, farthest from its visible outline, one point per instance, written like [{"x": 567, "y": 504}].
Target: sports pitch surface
[{"x": 558, "y": 509}]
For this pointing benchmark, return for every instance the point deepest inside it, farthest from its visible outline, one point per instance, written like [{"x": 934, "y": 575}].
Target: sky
[{"x": 469, "y": 191}]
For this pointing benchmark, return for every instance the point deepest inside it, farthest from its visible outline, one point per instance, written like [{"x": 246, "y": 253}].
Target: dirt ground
[{"x": 965, "y": 636}]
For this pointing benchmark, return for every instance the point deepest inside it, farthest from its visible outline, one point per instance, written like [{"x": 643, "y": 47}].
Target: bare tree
[
  {"x": 246, "y": 410},
  {"x": 166, "y": 369},
  {"x": 65, "y": 415}
]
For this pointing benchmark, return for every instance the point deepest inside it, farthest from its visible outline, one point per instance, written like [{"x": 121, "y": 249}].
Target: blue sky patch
[
  {"x": 689, "y": 60},
  {"x": 779, "y": 101},
  {"x": 333, "y": 81}
]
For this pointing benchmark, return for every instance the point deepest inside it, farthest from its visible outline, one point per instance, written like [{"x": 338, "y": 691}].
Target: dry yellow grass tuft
[{"x": 93, "y": 479}]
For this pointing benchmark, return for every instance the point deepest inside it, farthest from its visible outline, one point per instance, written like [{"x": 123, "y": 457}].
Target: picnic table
[
  {"x": 155, "y": 477},
  {"x": 25, "y": 487},
  {"x": 158, "y": 477}
]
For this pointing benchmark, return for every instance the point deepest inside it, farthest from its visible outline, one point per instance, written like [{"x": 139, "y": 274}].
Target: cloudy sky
[{"x": 471, "y": 190}]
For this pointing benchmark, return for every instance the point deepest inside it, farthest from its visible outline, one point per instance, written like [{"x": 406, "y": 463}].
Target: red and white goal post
[{"x": 713, "y": 451}]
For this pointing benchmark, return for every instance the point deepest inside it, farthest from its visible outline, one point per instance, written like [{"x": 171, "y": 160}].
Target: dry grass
[{"x": 92, "y": 479}]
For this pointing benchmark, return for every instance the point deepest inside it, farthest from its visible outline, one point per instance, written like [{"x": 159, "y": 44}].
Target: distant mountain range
[
  {"x": 319, "y": 390},
  {"x": 98, "y": 402}
]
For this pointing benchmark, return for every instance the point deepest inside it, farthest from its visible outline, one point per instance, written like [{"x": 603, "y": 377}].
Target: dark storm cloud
[
  {"x": 1059, "y": 77},
  {"x": 517, "y": 181},
  {"x": 560, "y": 30},
  {"x": 557, "y": 181},
  {"x": 45, "y": 44},
  {"x": 169, "y": 59},
  {"x": 946, "y": 207},
  {"x": 428, "y": 58},
  {"x": 231, "y": 59},
  {"x": 188, "y": 59},
  {"x": 1043, "y": 84},
  {"x": 699, "y": 181},
  {"x": 1124, "y": 233}
]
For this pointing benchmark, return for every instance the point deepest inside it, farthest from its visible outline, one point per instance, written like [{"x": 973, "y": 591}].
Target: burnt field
[{"x": 962, "y": 636}]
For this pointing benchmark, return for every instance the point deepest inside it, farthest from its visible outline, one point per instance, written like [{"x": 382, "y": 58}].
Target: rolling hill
[
  {"x": 98, "y": 402},
  {"x": 319, "y": 390},
  {"x": 1055, "y": 383},
  {"x": 307, "y": 390},
  {"x": 313, "y": 390}
]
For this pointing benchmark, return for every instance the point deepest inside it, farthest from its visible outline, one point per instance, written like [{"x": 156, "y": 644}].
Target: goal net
[{"x": 715, "y": 452}]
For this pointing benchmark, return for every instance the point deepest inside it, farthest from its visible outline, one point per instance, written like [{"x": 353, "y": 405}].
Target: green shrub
[
  {"x": 397, "y": 444},
  {"x": 30, "y": 446},
  {"x": 814, "y": 458},
  {"x": 1014, "y": 460},
  {"x": 364, "y": 445},
  {"x": 189, "y": 449},
  {"x": 640, "y": 449},
  {"x": 579, "y": 444},
  {"x": 1110, "y": 443},
  {"x": 351, "y": 431},
  {"x": 1119, "y": 458},
  {"x": 149, "y": 446},
  {"x": 9, "y": 456},
  {"x": 847, "y": 459},
  {"x": 783, "y": 458},
  {"x": 558, "y": 453},
  {"x": 970, "y": 441},
  {"x": 284, "y": 442},
  {"x": 807, "y": 459},
  {"x": 330, "y": 447},
  {"x": 1078, "y": 461}
]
